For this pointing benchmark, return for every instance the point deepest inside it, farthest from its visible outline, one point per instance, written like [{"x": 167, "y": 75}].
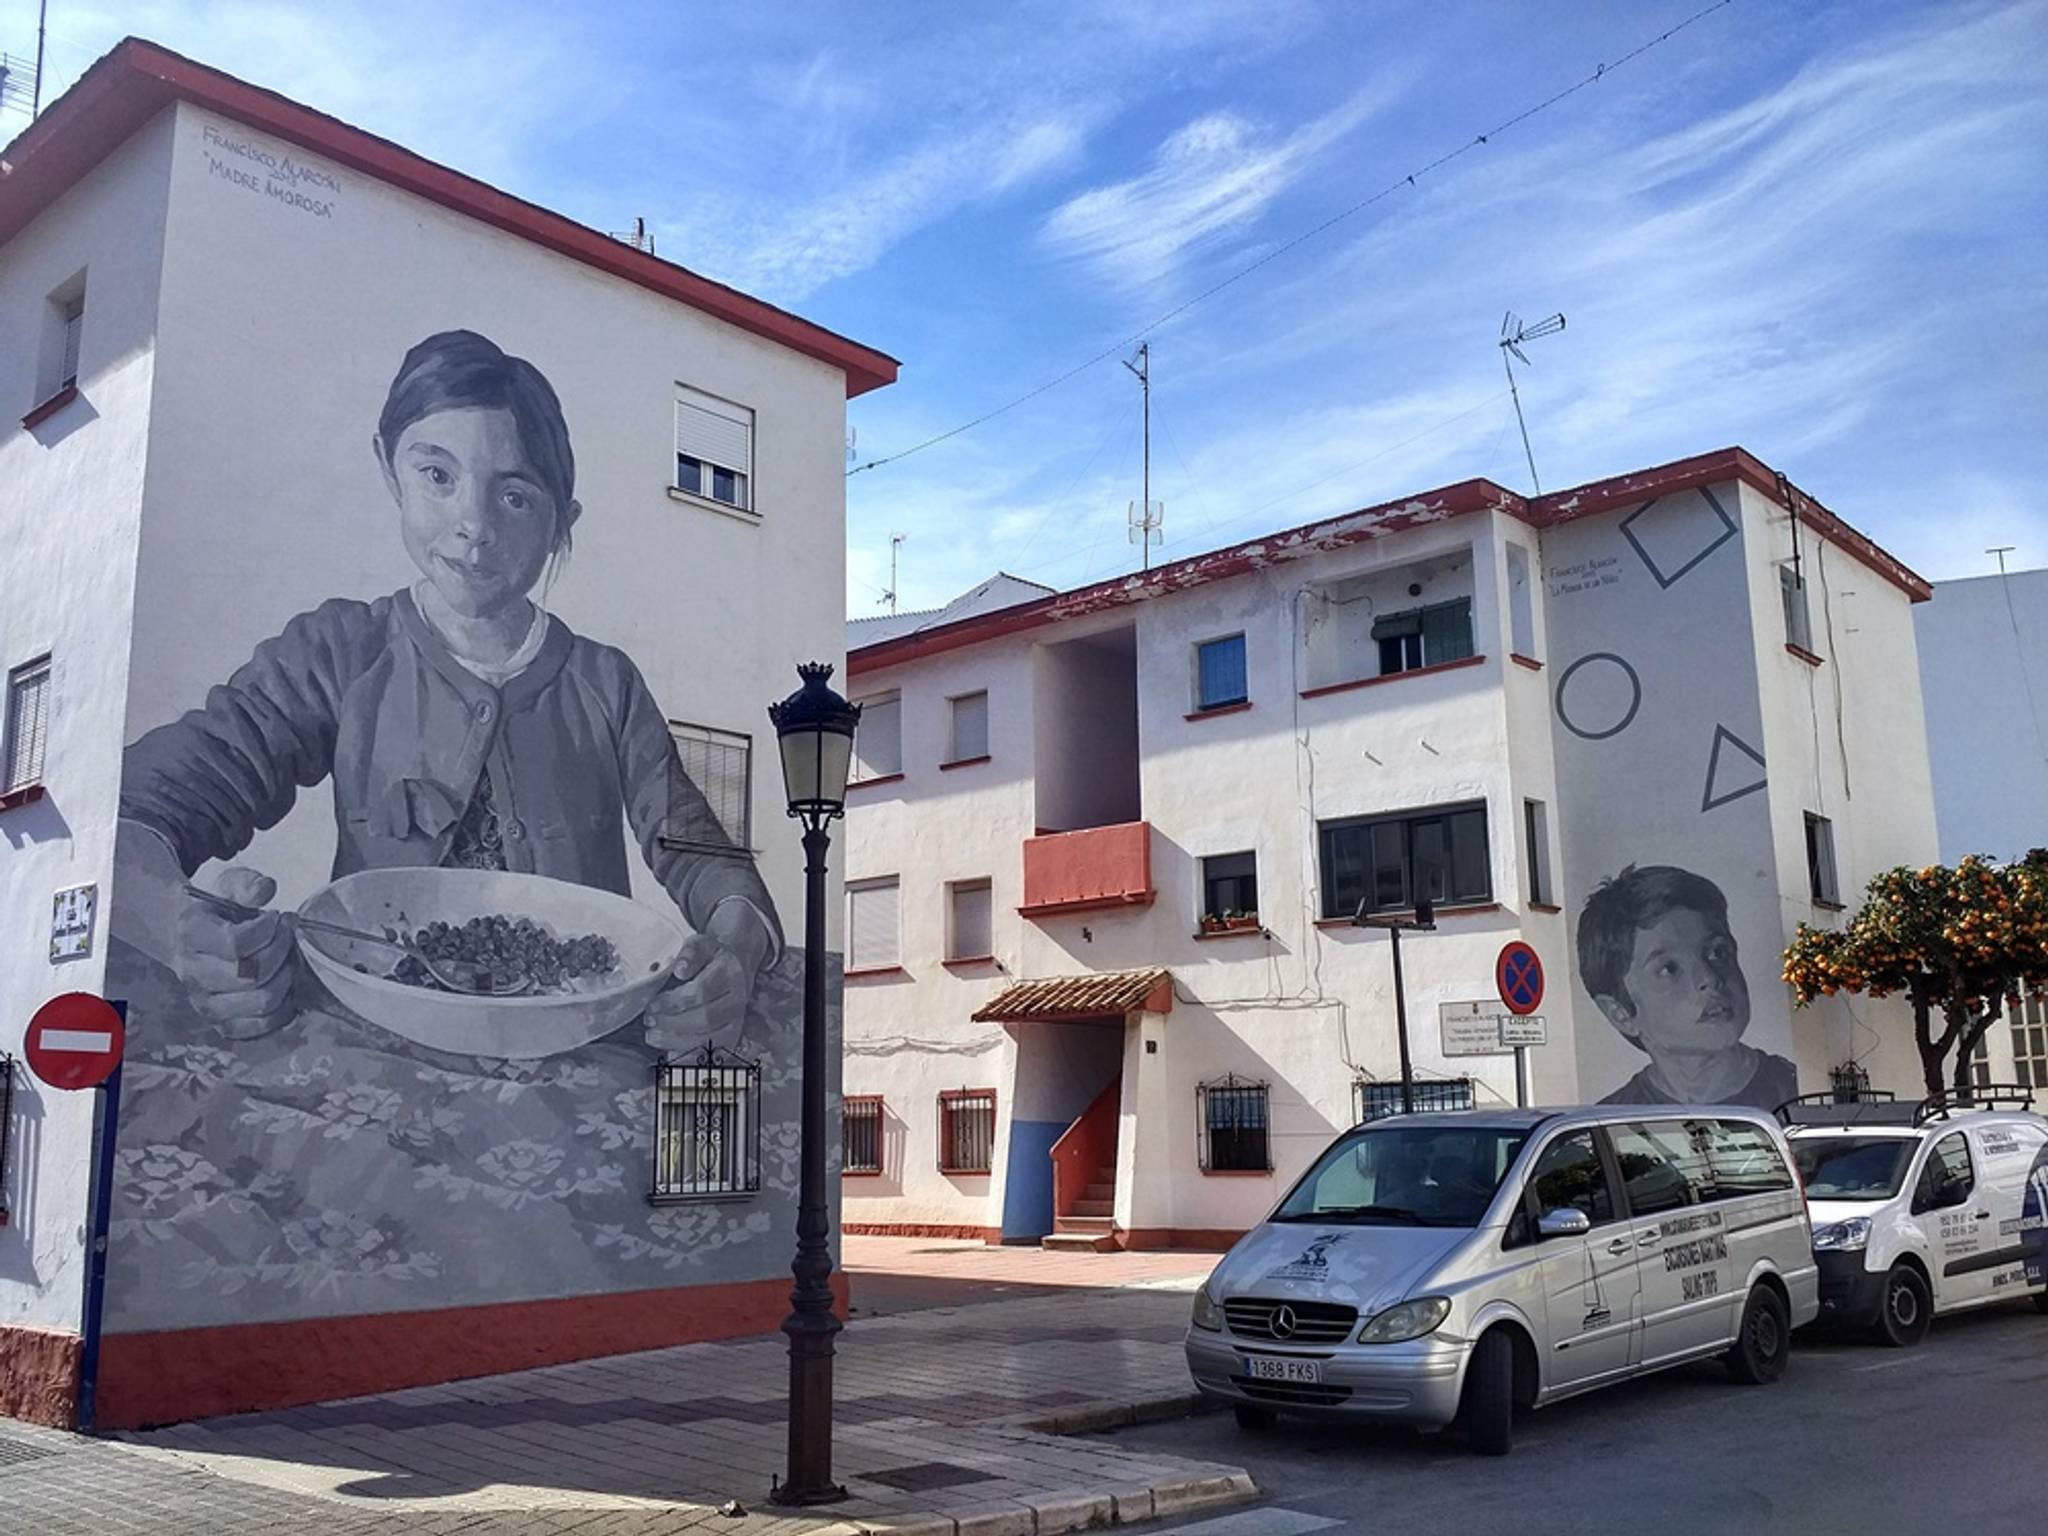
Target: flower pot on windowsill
[{"x": 1230, "y": 922}]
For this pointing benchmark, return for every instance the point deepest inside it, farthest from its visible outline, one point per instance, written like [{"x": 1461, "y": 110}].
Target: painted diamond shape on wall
[
  {"x": 1679, "y": 536},
  {"x": 1731, "y": 778}
]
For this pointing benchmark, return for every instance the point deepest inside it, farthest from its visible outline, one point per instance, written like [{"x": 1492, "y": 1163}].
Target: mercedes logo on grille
[{"x": 1284, "y": 1322}]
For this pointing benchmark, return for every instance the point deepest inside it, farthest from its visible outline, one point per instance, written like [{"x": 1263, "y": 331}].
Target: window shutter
[
  {"x": 719, "y": 764},
  {"x": 716, "y": 433},
  {"x": 28, "y": 724},
  {"x": 878, "y": 739},
  {"x": 970, "y": 726},
  {"x": 1447, "y": 632},
  {"x": 1394, "y": 626},
  {"x": 972, "y": 930},
  {"x": 872, "y": 924}
]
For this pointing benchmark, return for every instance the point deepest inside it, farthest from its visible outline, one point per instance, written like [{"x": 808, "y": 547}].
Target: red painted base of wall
[
  {"x": 960, "y": 1230},
  {"x": 1198, "y": 1239},
  {"x": 189, "y": 1373},
  {"x": 39, "y": 1375}
]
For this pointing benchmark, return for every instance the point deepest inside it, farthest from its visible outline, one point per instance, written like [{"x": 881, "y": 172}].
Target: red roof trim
[
  {"x": 138, "y": 79},
  {"x": 1439, "y": 505}
]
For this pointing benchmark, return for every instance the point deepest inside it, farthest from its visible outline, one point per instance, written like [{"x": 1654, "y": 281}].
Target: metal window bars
[
  {"x": 707, "y": 1127},
  {"x": 711, "y": 790},
  {"x": 1375, "y": 1100},
  {"x": 1231, "y": 1116},
  {"x": 860, "y": 1133},
  {"x": 967, "y": 1130}
]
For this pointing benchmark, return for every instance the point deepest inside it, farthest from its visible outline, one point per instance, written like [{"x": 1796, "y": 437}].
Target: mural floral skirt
[{"x": 331, "y": 1167}]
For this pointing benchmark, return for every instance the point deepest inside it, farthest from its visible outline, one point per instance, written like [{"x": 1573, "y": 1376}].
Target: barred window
[
  {"x": 1232, "y": 1114},
  {"x": 967, "y": 1130},
  {"x": 860, "y": 1133},
  {"x": 711, "y": 790},
  {"x": 707, "y": 1127},
  {"x": 1376, "y": 1100}
]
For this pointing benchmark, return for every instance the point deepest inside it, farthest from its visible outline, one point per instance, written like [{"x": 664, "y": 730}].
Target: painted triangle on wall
[{"x": 1731, "y": 778}]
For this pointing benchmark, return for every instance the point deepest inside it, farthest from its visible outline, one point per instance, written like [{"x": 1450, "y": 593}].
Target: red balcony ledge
[{"x": 1088, "y": 870}]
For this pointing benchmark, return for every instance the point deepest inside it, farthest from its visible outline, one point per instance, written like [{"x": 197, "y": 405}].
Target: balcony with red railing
[{"x": 1088, "y": 870}]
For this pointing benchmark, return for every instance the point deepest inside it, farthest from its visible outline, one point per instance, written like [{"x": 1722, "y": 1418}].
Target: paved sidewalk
[{"x": 949, "y": 1422}]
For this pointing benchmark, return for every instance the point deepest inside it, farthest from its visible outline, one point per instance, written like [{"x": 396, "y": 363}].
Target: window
[
  {"x": 860, "y": 1133},
  {"x": 1792, "y": 590},
  {"x": 2030, "y": 1043},
  {"x": 710, "y": 790},
  {"x": 1230, "y": 885},
  {"x": 707, "y": 1134},
  {"x": 967, "y": 1130},
  {"x": 1231, "y": 1112},
  {"x": 714, "y": 448},
  {"x": 874, "y": 938},
  {"x": 1521, "y": 604},
  {"x": 1383, "y": 860},
  {"x": 1569, "y": 1175},
  {"x": 1219, "y": 673},
  {"x": 968, "y": 738},
  {"x": 27, "y": 725},
  {"x": 1743, "y": 1159},
  {"x": 1661, "y": 1167},
  {"x": 1536, "y": 844},
  {"x": 1407, "y": 1175},
  {"x": 73, "y": 312},
  {"x": 1424, "y": 637},
  {"x": 878, "y": 739},
  {"x": 969, "y": 930},
  {"x": 1980, "y": 1061},
  {"x": 1820, "y": 860},
  {"x": 1948, "y": 1178},
  {"x": 1376, "y": 1100}
]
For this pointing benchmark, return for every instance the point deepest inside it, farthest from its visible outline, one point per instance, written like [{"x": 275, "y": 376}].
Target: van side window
[
  {"x": 1948, "y": 1178},
  {"x": 1660, "y": 1166},
  {"x": 1570, "y": 1175},
  {"x": 1744, "y": 1159}
]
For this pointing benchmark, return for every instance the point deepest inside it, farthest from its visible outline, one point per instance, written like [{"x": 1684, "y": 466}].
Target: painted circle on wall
[{"x": 1602, "y": 702}]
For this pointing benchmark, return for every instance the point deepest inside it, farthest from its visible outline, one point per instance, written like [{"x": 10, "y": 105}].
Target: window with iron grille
[
  {"x": 1232, "y": 1114},
  {"x": 967, "y": 1130},
  {"x": 711, "y": 790},
  {"x": 860, "y": 1133},
  {"x": 1377, "y": 1100},
  {"x": 707, "y": 1127}
]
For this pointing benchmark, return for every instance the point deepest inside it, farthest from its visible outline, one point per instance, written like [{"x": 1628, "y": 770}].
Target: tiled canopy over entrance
[{"x": 1104, "y": 994}]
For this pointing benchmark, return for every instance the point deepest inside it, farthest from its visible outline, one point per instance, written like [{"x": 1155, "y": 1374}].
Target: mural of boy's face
[
  {"x": 476, "y": 519},
  {"x": 1684, "y": 985}
]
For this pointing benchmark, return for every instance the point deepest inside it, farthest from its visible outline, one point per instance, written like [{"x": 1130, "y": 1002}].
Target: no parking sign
[{"x": 1519, "y": 975}]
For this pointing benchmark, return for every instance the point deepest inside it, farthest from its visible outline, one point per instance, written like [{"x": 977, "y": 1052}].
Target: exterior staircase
[{"x": 1084, "y": 1180}]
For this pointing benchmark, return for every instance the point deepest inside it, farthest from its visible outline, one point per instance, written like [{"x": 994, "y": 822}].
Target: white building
[
  {"x": 299, "y": 427},
  {"x": 1696, "y": 673},
  {"x": 1984, "y": 677}
]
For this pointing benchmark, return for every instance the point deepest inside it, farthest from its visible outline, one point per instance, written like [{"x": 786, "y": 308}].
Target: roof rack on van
[
  {"x": 1957, "y": 1101},
  {"x": 1870, "y": 1106}
]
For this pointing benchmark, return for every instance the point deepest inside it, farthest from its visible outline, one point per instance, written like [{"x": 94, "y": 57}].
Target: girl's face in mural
[
  {"x": 477, "y": 520},
  {"x": 1686, "y": 985}
]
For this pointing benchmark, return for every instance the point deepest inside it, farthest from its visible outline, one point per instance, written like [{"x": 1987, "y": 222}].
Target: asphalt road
[{"x": 1950, "y": 1438}]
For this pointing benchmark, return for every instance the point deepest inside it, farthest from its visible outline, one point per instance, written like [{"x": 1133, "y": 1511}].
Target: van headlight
[
  {"x": 1410, "y": 1320},
  {"x": 1206, "y": 1314},
  {"x": 1842, "y": 1236}
]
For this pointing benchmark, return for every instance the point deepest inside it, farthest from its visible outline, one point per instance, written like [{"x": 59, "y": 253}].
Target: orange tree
[{"x": 1958, "y": 944}]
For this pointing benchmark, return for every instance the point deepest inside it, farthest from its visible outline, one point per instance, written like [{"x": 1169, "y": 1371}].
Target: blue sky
[{"x": 1817, "y": 230}]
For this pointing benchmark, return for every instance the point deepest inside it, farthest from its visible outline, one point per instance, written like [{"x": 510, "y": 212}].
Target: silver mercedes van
[{"x": 1453, "y": 1267}]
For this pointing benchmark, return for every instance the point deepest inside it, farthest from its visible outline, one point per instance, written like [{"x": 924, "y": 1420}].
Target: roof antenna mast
[
  {"x": 1512, "y": 334},
  {"x": 1146, "y": 515},
  {"x": 895, "y": 543}
]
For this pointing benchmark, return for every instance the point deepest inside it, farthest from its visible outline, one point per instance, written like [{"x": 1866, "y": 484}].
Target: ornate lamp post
[{"x": 814, "y": 729}]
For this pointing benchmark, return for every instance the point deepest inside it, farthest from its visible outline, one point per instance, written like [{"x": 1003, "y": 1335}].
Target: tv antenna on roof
[
  {"x": 1512, "y": 334},
  {"x": 2001, "y": 551},
  {"x": 640, "y": 237},
  {"x": 895, "y": 543},
  {"x": 1146, "y": 515}
]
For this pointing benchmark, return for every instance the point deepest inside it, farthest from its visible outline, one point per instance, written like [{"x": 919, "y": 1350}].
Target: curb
[
  {"x": 1058, "y": 1514},
  {"x": 1088, "y": 1418}
]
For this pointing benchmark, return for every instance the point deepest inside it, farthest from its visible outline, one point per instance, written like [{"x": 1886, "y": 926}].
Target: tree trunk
[{"x": 1931, "y": 1049}]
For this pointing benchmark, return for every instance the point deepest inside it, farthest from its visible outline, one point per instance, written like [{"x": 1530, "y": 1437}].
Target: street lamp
[
  {"x": 814, "y": 730},
  {"x": 1424, "y": 921}
]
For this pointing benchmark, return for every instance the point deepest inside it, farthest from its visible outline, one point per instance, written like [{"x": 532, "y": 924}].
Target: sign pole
[
  {"x": 1521, "y": 1077},
  {"x": 106, "y": 1141}
]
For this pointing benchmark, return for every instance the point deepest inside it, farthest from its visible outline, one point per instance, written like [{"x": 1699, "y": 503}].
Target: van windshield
[
  {"x": 1852, "y": 1167},
  {"x": 1406, "y": 1175}
]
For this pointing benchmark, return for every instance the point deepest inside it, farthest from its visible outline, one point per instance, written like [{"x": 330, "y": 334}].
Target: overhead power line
[{"x": 1118, "y": 349}]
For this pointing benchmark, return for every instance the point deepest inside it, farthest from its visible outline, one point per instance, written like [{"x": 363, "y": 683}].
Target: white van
[
  {"x": 1920, "y": 1210},
  {"x": 1455, "y": 1266}
]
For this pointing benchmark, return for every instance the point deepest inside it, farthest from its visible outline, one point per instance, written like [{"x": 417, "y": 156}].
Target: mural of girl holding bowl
[{"x": 464, "y": 729}]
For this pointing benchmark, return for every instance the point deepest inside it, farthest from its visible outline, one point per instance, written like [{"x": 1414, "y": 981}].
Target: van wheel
[
  {"x": 2041, "y": 1301},
  {"x": 1488, "y": 1408},
  {"x": 1254, "y": 1420},
  {"x": 1908, "y": 1308},
  {"x": 1764, "y": 1340}
]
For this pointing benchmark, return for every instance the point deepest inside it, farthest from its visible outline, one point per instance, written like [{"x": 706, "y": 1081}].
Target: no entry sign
[
  {"x": 1519, "y": 973},
  {"x": 75, "y": 1041}
]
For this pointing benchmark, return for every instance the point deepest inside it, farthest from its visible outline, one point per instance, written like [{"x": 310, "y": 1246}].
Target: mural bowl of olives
[{"x": 487, "y": 963}]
